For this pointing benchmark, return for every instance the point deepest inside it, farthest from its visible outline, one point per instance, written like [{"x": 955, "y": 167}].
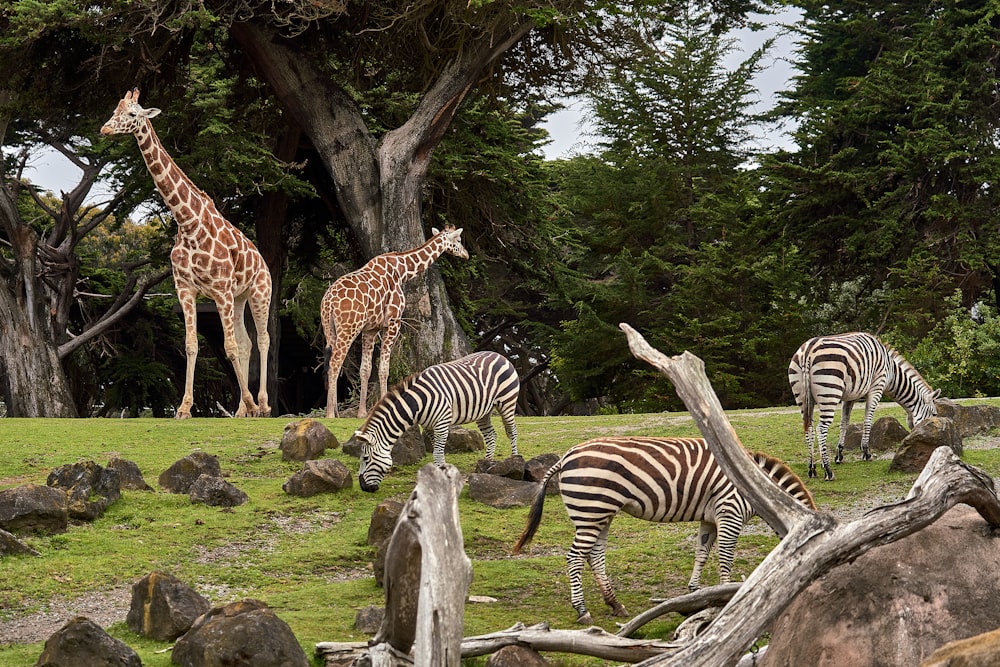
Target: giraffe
[
  {"x": 210, "y": 257},
  {"x": 370, "y": 300}
]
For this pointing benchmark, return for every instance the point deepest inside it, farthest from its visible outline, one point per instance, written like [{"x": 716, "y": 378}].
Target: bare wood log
[
  {"x": 813, "y": 543},
  {"x": 427, "y": 573},
  {"x": 710, "y": 596}
]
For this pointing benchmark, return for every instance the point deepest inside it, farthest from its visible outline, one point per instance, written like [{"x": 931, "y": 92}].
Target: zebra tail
[
  {"x": 807, "y": 400},
  {"x": 535, "y": 513}
]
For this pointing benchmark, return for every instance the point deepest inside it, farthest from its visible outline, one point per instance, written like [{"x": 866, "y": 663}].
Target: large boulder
[
  {"x": 90, "y": 488},
  {"x": 306, "y": 439},
  {"x": 179, "y": 477},
  {"x": 83, "y": 643},
  {"x": 460, "y": 439},
  {"x": 129, "y": 474},
  {"x": 319, "y": 476},
  {"x": 885, "y": 436},
  {"x": 33, "y": 508},
  {"x": 897, "y": 603},
  {"x": 918, "y": 446},
  {"x": 163, "y": 607},
  {"x": 216, "y": 492},
  {"x": 969, "y": 419},
  {"x": 501, "y": 492},
  {"x": 245, "y": 633},
  {"x": 511, "y": 467}
]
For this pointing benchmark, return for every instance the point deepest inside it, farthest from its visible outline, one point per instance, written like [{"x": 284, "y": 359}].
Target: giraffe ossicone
[
  {"x": 211, "y": 257},
  {"x": 370, "y": 301}
]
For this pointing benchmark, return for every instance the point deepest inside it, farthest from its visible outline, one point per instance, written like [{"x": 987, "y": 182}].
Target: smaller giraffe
[
  {"x": 211, "y": 257},
  {"x": 370, "y": 301}
]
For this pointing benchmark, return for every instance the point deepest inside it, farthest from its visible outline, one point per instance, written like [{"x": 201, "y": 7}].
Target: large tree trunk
[{"x": 378, "y": 184}]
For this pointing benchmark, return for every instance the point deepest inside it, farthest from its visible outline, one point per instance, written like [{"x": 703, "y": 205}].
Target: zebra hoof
[
  {"x": 619, "y": 610},
  {"x": 585, "y": 619},
  {"x": 829, "y": 476}
]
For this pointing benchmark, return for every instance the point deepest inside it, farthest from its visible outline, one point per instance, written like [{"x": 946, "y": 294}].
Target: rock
[
  {"x": 969, "y": 419},
  {"x": 217, "y": 492},
  {"x": 409, "y": 449},
  {"x": 516, "y": 656},
  {"x": 922, "y": 441},
  {"x": 90, "y": 489},
  {"x": 33, "y": 508},
  {"x": 163, "y": 607},
  {"x": 501, "y": 492},
  {"x": 319, "y": 476},
  {"x": 979, "y": 651},
  {"x": 369, "y": 620},
  {"x": 246, "y": 633},
  {"x": 895, "y": 604},
  {"x": 11, "y": 546},
  {"x": 535, "y": 469},
  {"x": 383, "y": 523},
  {"x": 129, "y": 475},
  {"x": 83, "y": 643},
  {"x": 179, "y": 477},
  {"x": 885, "y": 436},
  {"x": 511, "y": 467},
  {"x": 306, "y": 439},
  {"x": 459, "y": 440}
]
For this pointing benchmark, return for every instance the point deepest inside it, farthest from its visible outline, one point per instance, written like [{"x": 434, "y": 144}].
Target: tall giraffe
[
  {"x": 211, "y": 257},
  {"x": 370, "y": 300}
]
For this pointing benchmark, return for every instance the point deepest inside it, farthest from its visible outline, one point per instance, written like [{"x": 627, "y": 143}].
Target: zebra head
[
  {"x": 374, "y": 462},
  {"x": 924, "y": 409}
]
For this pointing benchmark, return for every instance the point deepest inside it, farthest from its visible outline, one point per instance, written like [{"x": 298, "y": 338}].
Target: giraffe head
[
  {"x": 452, "y": 241},
  {"x": 128, "y": 116}
]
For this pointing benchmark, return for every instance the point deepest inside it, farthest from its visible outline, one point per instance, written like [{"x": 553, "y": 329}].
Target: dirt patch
[{"x": 104, "y": 608}]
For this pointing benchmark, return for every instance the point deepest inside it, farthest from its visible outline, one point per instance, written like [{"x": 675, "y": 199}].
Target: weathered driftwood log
[
  {"x": 427, "y": 577},
  {"x": 703, "y": 598},
  {"x": 812, "y": 542}
]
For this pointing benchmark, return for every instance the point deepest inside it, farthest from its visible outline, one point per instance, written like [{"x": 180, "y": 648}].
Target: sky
[
  {"x": 569, "y": 130},
  {"x": 571, "y": 133}
]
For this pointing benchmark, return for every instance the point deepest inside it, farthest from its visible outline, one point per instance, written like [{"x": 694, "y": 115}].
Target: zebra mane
[
  {"x": 393, "y": 391},
  {"x": 783, "y": 476},
  {"x": 907, "y": 368}
]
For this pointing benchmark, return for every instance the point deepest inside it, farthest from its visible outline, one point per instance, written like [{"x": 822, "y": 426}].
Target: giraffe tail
[{"x": 327, "y": 352}]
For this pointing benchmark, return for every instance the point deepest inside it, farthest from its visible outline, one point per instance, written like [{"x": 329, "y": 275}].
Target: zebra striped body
[
  {"x": 831, "y": 370},
  {"x": 656, "y": 479},
  {"x": 438, "y": 397}
]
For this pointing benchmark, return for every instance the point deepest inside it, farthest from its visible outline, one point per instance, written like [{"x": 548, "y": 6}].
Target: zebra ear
[{"x": 936, "y": 395}]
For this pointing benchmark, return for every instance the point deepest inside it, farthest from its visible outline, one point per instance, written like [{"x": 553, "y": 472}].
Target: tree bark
[{"x": 378, "y": 184}]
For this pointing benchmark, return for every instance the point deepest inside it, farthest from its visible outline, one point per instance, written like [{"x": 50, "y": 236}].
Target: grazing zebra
[
  {"x": 438, "y": 397},
  {"x": 828, "y": 370},
  {"x": 657, "y": 479}
]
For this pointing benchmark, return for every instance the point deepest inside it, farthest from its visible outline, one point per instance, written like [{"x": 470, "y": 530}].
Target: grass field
[{"x": 308, "y": 558}]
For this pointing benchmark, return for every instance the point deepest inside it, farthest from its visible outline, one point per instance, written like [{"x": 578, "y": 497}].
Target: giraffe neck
[
  {"x": 414, "y": 262},
  {"x": 185, "y": 200}
]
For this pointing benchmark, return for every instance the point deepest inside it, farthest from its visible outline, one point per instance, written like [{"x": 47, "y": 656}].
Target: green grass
[{"x": 308, "y": 558}]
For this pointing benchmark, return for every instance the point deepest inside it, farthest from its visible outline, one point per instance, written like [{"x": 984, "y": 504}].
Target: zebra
[
  {"x": 438, "y": 397},
  {"x": 845, "y": 368},
  {"x": 657, "y": 479}
]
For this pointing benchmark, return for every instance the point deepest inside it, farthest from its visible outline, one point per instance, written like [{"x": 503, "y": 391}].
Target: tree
[{"x": 897, "y": 145}]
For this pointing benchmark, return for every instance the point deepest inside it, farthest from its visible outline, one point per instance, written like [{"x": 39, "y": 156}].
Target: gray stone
[
  {"x": 969, "y": 419},
  {"x": 90, "y": 488},
  {"x": 409, "y": 449},
  {"x": 501, "y": 492},
  {"x": 383, "y": 523},
  {"x": 535, "y": 469},
  {"x": 516, "y": 656},
  {"x": 459, "y": 440},
  {"x": 245, "y": 633},
  {"x": 918, "y": 446},
  {"x": 369, "y": 620},
  {"x": 306, "y": 439},
  {"x": 318, "y": 476},
  {"x": 163, "y": 607},
  {"x": 129, "y": 475},
  {"x": 33, "y": 508},
  {"x": 179, "y": 477},
  {"x": 896, "y": 604},
  {"x": 11, "y": 546},
  {"x": 83, "y": 643},
  {"x": 511, "y": 467},
  {"x": 216, "y": 492}
]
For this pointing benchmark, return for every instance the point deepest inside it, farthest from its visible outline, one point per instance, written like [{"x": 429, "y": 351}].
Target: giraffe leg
[
  {"x": 187, "y": 300},
  {"x": 234, "y": 330},
  {"x": 367, "y": 348},
  {"x": 389, "y": 337},
  {"x": 243, "y": 347},
  {"x": 260, "y": 309}
]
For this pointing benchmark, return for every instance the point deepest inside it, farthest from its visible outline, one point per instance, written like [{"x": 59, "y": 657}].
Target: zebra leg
[
  {"x": 866, "y": 428},
  {"x": 811, "y": 443},
  {"x": 440, "y": 440},
  {"x": 578, "y": 553},
  {"x": 845, "y": 420},
  {"x": 729, "y": 528},
  {"x": 506, "y": 411},
  {"x": 485, "y": 425},
  {"x": 598, "y": 567},
  {"x": 822, "y": 430},
  {"x": 706, "y": 538}
]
